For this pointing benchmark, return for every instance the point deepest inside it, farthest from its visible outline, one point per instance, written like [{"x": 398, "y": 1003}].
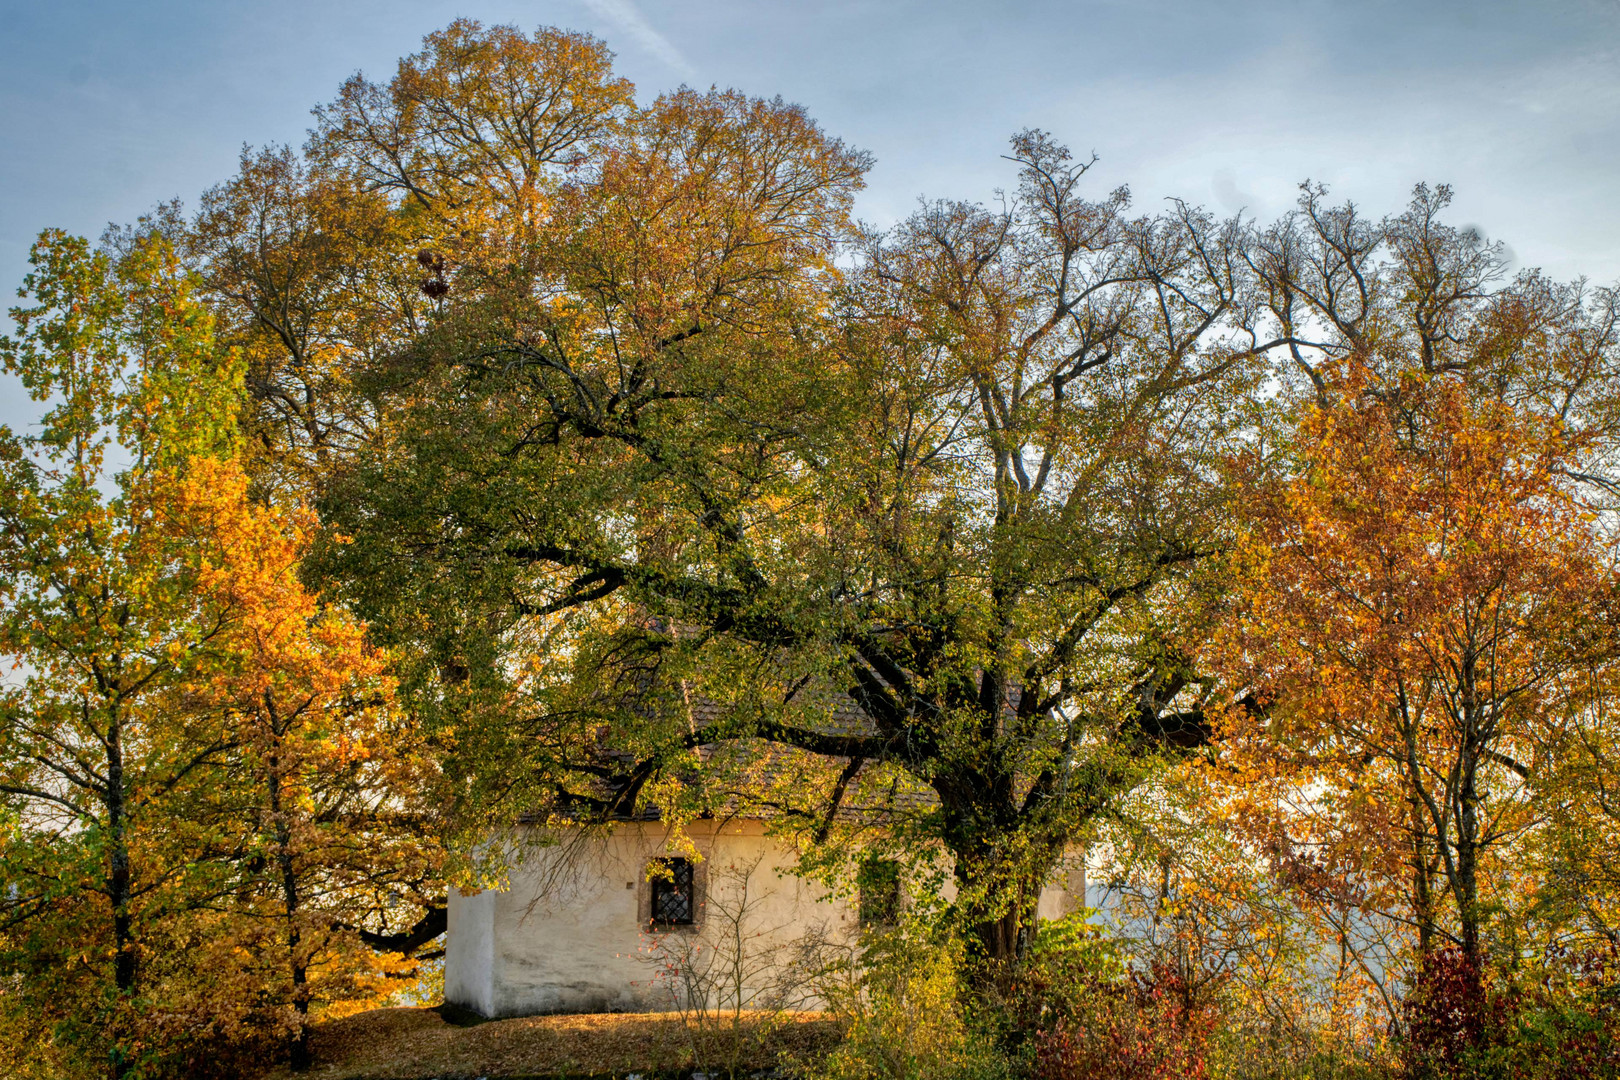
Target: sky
[{"x": 107, "y": 108}]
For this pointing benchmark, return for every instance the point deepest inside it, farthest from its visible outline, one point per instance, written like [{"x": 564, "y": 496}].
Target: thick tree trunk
[
  {"x": 1000, "y": 940},
  {"x": 1002, "y": 857},
  {"x": 999, "y": 913}
]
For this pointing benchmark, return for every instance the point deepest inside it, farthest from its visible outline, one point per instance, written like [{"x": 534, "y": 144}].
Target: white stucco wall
[
  {"x": 570, "y": 933},
  {"x": 469, "y": 954}
]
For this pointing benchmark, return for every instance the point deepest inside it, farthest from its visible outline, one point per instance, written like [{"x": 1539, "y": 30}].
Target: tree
[
  {"x": 471, "y": 138},
  {"x": 676, "y": 219},
  {"x": 1029, "y": 483},
  {"x": 1419, "y": 583},
  {"x": 1575, "y": 856},
  {"x": 198, "y": 746},
  {"x": 312, "y": 279},
  {"x": 104, "y": 765},
  {"x": 1410, "y": 293},
  {"x": 690, "y": 457},
  {"x": 328, "y": 778},
  {"x": 1386, "y": 321}
]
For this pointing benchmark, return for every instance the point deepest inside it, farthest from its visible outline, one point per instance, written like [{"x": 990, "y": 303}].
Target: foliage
[
  {"x": 1420, "y": 598},
  {"x": 191, "y": 727},
  {"x": 1460, "y": 1024},
  {"x": 1086, "y": 1012},
  {"x": 1145, "y": 1028},
  {"x": 312, "y": 281},
  {"x": 329, "y": 778},
  {"x": 1067, "y": 953},
  {"x": 902, "y": 1003},
  {"x": 691, "y": 437},
  {"x": 1273, "y": 562},
  {"x": 1181, "y": 893},
  {"x": 107, "y": 771}
]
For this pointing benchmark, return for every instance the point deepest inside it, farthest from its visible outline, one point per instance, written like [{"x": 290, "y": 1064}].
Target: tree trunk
[
  {"x": 119, "y": 889},
  {"x": 1466, "y": 886},
  {"x": 1422, "y": 894},
  {"x": 298, "y": 1049},
  {"x": 1001, "y": 924},
  {"x": 1000, "y": 939}
]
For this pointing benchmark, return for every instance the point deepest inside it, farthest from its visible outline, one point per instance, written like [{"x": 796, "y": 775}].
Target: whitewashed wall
[{"x": 570, "y": 933}]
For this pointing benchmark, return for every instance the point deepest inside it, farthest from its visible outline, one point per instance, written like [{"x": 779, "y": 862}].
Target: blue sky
[{"x": 107, "y": 108}]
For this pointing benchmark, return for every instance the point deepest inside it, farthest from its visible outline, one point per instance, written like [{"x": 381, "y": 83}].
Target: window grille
[{"x": 672, "y": 894}]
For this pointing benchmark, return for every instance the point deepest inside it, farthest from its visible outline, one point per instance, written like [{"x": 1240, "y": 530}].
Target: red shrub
[
  {"x": 1144, "y": 1028},
  {"x": 1460, "y": 1022}
]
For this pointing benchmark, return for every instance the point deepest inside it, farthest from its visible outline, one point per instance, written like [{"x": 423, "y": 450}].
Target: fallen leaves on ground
[{"x": 415, "y": 1044}]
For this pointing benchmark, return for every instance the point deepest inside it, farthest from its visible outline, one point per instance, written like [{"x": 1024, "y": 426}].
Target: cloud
[{"x": 630, "y": 19}]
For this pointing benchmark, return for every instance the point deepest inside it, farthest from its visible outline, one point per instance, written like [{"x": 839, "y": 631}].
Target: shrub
[
  {"x": 1463, "y": 1022},
  {"x": 1143, "y": 1027},
  {"x": 901, "y": 1000},
  {"x": 1093, "y": 1018}
]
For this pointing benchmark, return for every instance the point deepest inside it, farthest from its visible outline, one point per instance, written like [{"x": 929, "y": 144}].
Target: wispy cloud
[{"x": 630, "y": 19}]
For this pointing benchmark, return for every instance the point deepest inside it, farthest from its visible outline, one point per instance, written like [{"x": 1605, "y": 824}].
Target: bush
[
  {"x": 902, "y": 1003},
  {"x": 1093, "y": 1018},
  {"x": 1305, "y": 1054},
  {"x": 1464, "y": 1022},
  {"x": 1141, "y": 1028}
]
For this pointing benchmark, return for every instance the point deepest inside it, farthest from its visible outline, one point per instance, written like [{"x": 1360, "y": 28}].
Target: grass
[{"x": 421, "y": 1043}]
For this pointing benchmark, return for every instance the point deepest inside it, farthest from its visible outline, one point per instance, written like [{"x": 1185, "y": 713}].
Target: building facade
[{"x": 621, "y": 920}]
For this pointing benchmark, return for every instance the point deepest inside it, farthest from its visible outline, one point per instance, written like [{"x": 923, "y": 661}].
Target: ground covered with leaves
[{"x": 414, "y": 1044}]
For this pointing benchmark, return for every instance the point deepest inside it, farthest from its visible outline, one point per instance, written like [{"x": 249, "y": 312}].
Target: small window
[
  {"x": 672, "y": 893},
  {"x": 878, "y": 884}
]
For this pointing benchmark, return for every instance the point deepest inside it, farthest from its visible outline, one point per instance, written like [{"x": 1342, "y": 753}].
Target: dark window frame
[{"x": 673, "y": 893}]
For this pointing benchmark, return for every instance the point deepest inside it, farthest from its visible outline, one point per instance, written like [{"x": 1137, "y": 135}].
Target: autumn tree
[
  {"x": 1575, "y": 857},
  {"x": 322, "y": 266},
  {"x": 198, "y": 749},
  {"x": 312, "y": 279},
  {"x": 1419, "y": 583},
  {"x": 1026, "y": 488},
  {"x": 1408, "y": 340},
  {"x": 471, "y": 138},
  {"x": 102, "y": 765},
  {"x": 327, "y": 781},
  {"x": 1412, "y": 293},
  {"x": 678, "y": 453}
]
